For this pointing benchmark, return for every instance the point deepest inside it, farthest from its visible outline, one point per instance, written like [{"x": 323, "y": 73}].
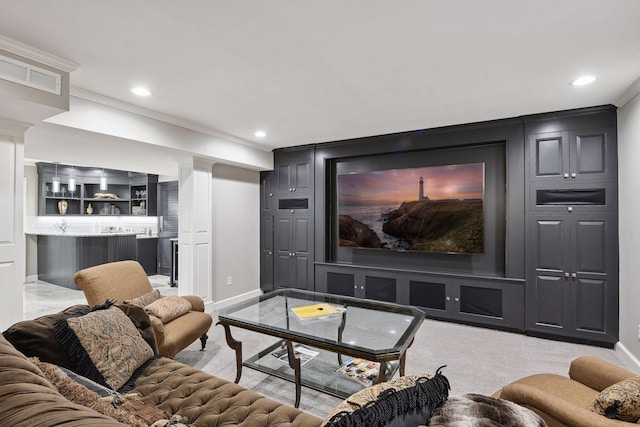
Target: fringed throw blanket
[
  {"x": 405, "y": 401},
  {"x": 474, "y": 410}
]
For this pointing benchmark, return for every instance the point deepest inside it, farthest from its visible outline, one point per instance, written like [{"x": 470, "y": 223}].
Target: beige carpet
[{"x": 478, "y": 360}]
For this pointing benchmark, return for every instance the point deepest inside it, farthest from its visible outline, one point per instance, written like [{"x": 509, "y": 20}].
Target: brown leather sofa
[
  {"x": 563, "y": 401},
  {"x": 126, "y": 280},
  {"x": 29, "y": 399}
]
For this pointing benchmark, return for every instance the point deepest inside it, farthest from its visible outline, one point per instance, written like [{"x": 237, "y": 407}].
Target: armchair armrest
[
  {"x": 550, "y": 406},
  {"x": 596, "y": 373},
  {"x": 158, "y": 329},
  {"x": 196, "y": 302}
]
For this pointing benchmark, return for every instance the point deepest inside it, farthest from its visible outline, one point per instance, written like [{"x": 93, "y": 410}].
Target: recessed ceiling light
[
  {"x": 260, "y": 134},
  {"x": 583, "y": 80},
  {"x": 141, "y": 91}
]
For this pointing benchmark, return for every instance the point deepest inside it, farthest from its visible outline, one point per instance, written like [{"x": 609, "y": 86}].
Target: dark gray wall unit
[
  {"x": 550, "y": 197},
  {"x": 572, "y": 232},
  {"x": 147, "y": 254},
  {"x": 60, "y": 256}
]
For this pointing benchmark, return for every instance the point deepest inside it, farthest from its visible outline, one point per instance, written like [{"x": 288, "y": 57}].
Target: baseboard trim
[
  {"x": 31, "y": 279},
  {"x": 620, "y": 348},
  {"x": 219, "y": 305}
]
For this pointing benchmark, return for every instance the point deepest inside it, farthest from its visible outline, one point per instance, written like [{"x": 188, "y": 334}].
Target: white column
[
  {"x": 195, "y": 236},
  {"x": 12, "y": 244}
]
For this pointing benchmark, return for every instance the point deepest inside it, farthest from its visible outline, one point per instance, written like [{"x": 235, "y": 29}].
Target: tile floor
[{"x": 44, "y": 298}]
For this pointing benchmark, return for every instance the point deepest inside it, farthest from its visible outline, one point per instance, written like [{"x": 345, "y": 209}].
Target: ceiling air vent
[{"x": 29, "y": 75}]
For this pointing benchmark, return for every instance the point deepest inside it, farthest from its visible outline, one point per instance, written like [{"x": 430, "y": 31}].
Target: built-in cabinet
[
  {"x": 572, "y": 232},
  {"x": 556, "y": 266},
  {"x": 487, "y": 301},
  {"x": 127, "y": 193},
  {"x": 287, "y": 223}
]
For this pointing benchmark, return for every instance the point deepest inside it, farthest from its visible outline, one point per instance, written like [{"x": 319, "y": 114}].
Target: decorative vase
[
  {"x": 62, "y": 207},
  {"x": 89, "y": 209}
]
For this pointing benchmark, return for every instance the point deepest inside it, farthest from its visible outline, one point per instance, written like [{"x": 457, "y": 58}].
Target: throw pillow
[
  {"x": 168, "y": 308},
  {"x": 620, "y": 401},
  {"x": 104, "y": 345},
  {"x": 145, "y": 299},
  {"x": 35, "y": 338},
  {"x": 405, "y": 401}
]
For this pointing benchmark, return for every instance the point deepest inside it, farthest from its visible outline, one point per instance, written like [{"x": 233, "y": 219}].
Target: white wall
[
  {"x": 31, "y": 210},
  {"x": 236, "y": 232},
  {"x": 629, "y": 223}
]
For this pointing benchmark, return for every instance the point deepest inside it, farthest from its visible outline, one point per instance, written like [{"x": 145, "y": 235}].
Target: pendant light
[
  {"x": 103, "y": 180},
  {"x": 72, "y": 182},
  {"x": 55, "y": 184}
]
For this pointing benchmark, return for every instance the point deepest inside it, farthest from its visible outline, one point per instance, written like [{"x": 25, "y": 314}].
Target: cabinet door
[
  {"x": 293, "y": 251},
  {"x": 294, "y": 171},
  {"x": 549, "y": 156},
  {"x": 573, "y": 291},
  {"x": 266, "y": 191},
  {"x": 592, "y": 155},
  {"x": 590, "y": 275},
  {"x": 266, "y": 253},
  {"x": 548, "y": 293}
]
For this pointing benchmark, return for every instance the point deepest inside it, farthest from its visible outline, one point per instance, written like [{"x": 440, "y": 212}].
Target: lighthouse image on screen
[{"x": 433, "y": 209}]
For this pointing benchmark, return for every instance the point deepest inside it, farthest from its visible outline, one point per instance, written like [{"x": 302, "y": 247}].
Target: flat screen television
[{"x": 432, "y": 209}]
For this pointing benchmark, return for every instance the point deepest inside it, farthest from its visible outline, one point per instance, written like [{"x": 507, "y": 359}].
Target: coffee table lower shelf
[{"x": 318, "y": 374}]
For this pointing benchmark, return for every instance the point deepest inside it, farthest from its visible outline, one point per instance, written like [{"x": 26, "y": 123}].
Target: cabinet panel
[
  {"x": 590, "y": 305},
  {"x": 294, "y": 171},
  {"x": 481, "y": 301},
  {"x": 549, "y": 295},
  {"x": 593, "y": 154},
  {"x": 428, "y": 295},
  {"x": 293, "y": 251},
  {"x": 380, "y": 288},
  {"x": 549, "y": 236},
  {"x": 591, "y": 249},
  {"x": 549, "y": 154},
  {"x": 301, "y": 235},
  {"x": 340, "y": 284}
]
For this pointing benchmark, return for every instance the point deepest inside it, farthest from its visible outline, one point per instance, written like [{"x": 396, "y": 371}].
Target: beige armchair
[
  {"x": 126, "y": 280},
  {"x": 563, "y": 401}
]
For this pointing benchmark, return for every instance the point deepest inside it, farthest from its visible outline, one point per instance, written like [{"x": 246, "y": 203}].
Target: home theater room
[{"x": 319, "y": 214}]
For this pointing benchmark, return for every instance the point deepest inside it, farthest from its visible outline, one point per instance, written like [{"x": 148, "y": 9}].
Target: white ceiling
[{"x": 314, "y": 71}]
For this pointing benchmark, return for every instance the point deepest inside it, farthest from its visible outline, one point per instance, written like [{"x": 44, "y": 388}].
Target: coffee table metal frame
[{"x": 391, "y": 359}]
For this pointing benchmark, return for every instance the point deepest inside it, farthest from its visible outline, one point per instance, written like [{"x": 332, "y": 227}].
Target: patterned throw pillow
[
  {"x": 168, "y": 308},
  {"x": 104, "y": 345},
  {"x": 144, "y": 300},
  {"x": 620, "y": 401}
]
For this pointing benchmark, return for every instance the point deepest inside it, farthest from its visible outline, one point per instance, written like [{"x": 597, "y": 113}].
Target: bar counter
[{"x": 60, "y": 255}]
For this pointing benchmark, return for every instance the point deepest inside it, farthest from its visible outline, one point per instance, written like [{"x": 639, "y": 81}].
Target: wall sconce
[
  {"x": 103, "y": 180},
  {"x": 55, "y": 184}
]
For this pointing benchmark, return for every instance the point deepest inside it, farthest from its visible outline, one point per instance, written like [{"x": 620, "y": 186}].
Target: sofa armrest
[
  {"x": 158, "y": 329},
  {"x": 596, "y": 373},
  {"x": 545, "y": 403},
  {"x": 196, "y": 302}
]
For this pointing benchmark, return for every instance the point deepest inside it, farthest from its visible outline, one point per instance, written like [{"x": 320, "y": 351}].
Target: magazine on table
[
  {"x": 305, "y": 354},
  {"x": 316, "y": 311},
  {"x": 361, "y": 370}
]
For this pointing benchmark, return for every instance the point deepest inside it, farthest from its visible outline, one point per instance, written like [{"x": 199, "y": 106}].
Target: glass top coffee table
[{"x": 363, "y": 342}]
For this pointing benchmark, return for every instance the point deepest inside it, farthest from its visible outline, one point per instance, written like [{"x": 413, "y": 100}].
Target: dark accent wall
[{"x": 500, "y": 144}]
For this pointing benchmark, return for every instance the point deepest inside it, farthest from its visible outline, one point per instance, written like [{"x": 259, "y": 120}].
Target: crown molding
[
  {"x": 167, "y": 118},
  {"x": 631, "y": 91},
  {"x": 37, "y": 55}
]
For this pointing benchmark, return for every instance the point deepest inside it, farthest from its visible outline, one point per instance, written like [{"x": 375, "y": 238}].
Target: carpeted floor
[{"x": 478, "y": 360}]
